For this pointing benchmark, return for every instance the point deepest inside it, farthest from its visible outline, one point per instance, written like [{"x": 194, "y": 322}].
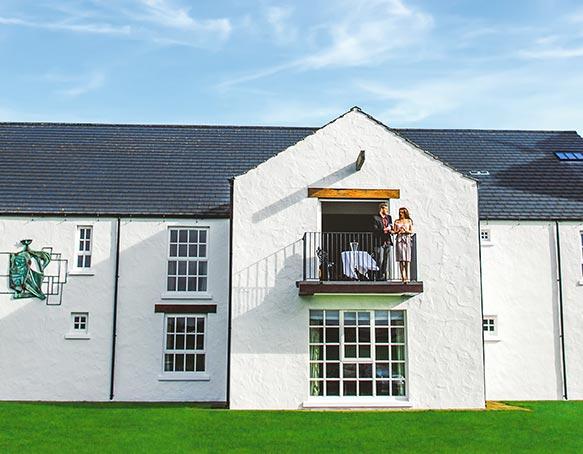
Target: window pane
[
  {"x": 181, "y": 284},
  {"x": 180, "y": 342},
  {"x": 316, "y": 388},
  {"x": 200, "y": 363},
  {"x": 180, "y": 325},
  {"x": 364, "y": 318},
  {"x": 168, "y": 363},
  {"x": 171, "y": 284},
  {"x": 316, "y": 370},
  {"x": 179, "y": 362},
  {"x": 174, "y": 236},
  {"x": 87, "y": 261},
  {"x": 192, "y": 284},
  {"x": 350, "y": 318},
  {"x": 202, "y": 268},
  {"x": 202, "y": 284},
  {"x": 398, "y": 388},
  {"x": 332, "y": 318},
  {"x": 332, "y": 370},
  {"x": 316, "y": 335},
  {"x": 398, "y": 370},
  {"x": 200, "y": 325},
  {"x": 316, "y": 318},
  {"x": 193, "y": 250},
  {"x": 349, "y": 370},
  {"x": 383, "y": 370},
  {"x": 382, "y": 388},
  {"x": 382, "y": 335},
  {"x": 332, "y": 335},
  {"x": 170, "y": 324},
  {"x": 173, "y": 250},
  {"x": 172, "y": 267},
  {"x": 190, "y": 363},
  {"x": 332, "y": 388},
  {"x": 365, "y": 370},
  {"x": 183, "y": 236},
  {"x": 363, "y": 334},
  {"x": 316, "y": 353},
  {"x": 80, "y": 261},
  {"x": 397, "y": 335},
  {"x": 170, "y": 342},
  {"x": 193, "y": 236},
  {"x": 381, "y": 318},
  {"x": 332, "y": 352},
  {"x": 349, "y": 334},
  {"x": 182, "y": 250},
  {"x": 366, "y": 388},
  {"x": 382, "y": 352},
  {"x": 200, "y": 342},
  {"x": 202, "y": 251},
  {"x": 398, "y": 353},
  {"x": 190, "y": 342},
  {"x": 202, "y": 236},
  {"x": 190, "y": 325},
  {"x": 182, "y": 268},
  {"x": 397, "y": 318},
  {"x": 364, "y": 351},
  {"x": 350, "y": 351},
  {"x": 350, "y": 388}
]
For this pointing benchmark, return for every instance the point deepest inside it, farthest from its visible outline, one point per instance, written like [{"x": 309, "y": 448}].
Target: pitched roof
[{"x": 149, "y": 170}]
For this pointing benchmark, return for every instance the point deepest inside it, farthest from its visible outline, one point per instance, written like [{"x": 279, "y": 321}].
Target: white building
[{"x": 189, "y": 267}]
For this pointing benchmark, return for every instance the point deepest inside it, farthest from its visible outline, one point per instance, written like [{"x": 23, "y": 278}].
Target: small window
[
  {"x": 80, "y": 322},
  {"x": 485, "y": 235},
  {"x": 489, "y": 325},
  {"x": 84, "y": 243},
  {"x": 185, "y": 343},
  {"x": 187, "y": 260}
]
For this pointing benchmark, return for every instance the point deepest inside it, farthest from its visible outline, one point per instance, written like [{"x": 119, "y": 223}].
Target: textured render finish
[
  {"x": 272, "y": 212},
  {"x": 520, "y": 273},
  {"x": 41, "y": 364},
  {"x": 140, "y": 338},
  {"x": 38, "y": 363}
]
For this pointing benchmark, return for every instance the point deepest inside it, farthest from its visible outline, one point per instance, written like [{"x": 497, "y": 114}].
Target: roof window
[
  {"x": 569, "y": 155},
  {"x": 479, "y": 173}
]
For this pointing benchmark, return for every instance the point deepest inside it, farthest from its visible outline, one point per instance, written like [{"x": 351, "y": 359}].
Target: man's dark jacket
[{"x": 379, "y": 237}]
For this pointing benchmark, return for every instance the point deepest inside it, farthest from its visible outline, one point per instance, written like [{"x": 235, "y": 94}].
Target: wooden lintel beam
[{"x": 329, "y": 193}]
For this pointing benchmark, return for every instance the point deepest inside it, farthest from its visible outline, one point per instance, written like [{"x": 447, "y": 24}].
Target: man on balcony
[{"x": 381, "y": 234}]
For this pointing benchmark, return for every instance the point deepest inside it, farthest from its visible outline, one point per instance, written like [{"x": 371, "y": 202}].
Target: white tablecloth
[{"x": 357, "y": 260}]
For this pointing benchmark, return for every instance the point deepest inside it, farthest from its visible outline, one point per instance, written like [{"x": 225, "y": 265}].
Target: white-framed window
[
  {"x": 79, "y": 322},
  {"x": 84, "y": 246},
  {"x": 358, "y": 353},
  {"x": 187, "y": 260},
  {"x": 485, "y": 235},
  {"x": 489, "y": 325},
  {"x": 185, "y": 344}
]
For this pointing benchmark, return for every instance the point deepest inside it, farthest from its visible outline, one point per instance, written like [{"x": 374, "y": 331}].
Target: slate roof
[{"x": 149, "y": 170}]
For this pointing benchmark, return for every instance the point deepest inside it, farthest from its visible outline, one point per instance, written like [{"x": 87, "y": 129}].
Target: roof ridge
[
  {"x": 487, "y": 130},
  {"x": 152, "y": 125}
]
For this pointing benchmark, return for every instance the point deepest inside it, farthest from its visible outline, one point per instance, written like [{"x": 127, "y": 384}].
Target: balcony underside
[{"x": 313, "y": 287}]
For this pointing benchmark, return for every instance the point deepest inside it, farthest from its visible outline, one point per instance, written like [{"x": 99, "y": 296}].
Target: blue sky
[{"x": 513, "y": 64}]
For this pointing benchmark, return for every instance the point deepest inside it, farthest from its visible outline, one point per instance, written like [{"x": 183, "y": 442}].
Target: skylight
[
  {"x": 479, "y": 172},
  {"x": 569, "y": 155}
]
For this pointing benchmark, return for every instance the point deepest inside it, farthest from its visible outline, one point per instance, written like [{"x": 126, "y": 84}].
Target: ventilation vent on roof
[
  {"x": 569, "y": 155},
  {"x": 479, "y": 173}
]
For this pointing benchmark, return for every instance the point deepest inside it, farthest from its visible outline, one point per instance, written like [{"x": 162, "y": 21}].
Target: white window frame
[
  {"x": 178, "y": 266},
  {"x": 318, "y": 388},
  {"x": 84, "y": 251},
  {"x": 79, "y": 326},
  {"x": 490, "y": 321},
  {"x": 175, "y": 347}
]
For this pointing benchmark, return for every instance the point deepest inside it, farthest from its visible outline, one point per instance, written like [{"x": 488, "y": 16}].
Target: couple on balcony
[{"x": 382, "y": 227}]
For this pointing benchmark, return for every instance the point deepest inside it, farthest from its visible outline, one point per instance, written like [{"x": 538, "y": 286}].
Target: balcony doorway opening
[{"x": 349, "y": 216}]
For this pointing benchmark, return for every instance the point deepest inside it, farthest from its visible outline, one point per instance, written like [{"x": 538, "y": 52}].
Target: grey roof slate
[{"x": 149, "y": 170}]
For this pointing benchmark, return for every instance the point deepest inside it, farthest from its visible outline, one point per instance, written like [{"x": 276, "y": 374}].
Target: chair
[{"x": 325, "y": 264}]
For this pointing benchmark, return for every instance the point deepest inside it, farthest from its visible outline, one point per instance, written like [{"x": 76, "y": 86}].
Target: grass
[{"x": 117, "y": 427}]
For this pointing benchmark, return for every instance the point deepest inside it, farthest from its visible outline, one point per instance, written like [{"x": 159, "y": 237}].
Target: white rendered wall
[
  {"x": 271, "y": 213},
  {"x": 140, "y": 339},
  {"x": 524, "y": 360},
  {"x": 39, "y": 363}
]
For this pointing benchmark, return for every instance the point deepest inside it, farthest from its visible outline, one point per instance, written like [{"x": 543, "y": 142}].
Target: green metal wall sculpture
[{"x": 27, "y": 272}]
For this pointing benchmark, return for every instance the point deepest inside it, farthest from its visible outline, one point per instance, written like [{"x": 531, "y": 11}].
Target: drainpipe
[
  {"x": 561, "y": 313},
  {"x": 482, "y": 305},
  {"x": 231, "y": 223},
  {"x": 115, "y": 297}
]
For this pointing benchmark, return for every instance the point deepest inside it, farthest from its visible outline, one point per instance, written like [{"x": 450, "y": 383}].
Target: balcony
[{"x": 344, "y": 262}]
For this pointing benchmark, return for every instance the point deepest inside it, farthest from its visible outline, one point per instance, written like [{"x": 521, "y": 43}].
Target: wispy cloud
[
  {"x": 553, "y": 53},
  {"x": 77, "y": 85},
  {"x": 282, "y": 28},
  {"x": 363, "y": 33},
  {"x": 161, "y": 21}
]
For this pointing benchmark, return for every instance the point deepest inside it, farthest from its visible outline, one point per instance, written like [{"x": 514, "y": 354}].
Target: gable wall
[{"x": 271, "y": 213}]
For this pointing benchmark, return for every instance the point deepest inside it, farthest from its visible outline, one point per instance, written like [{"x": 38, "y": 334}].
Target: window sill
[
  {"x": 491, "y": 339},
  {"x": 77, "y": 336},
  {"x": 486, "y": 244},
  {"x": 580, "y": 282},
  {"x": 81, "y": 272},
  {"x": 356, "y": 402},
  {"x": 186, "y": 296},
  {"x": 179, "y": 376}
]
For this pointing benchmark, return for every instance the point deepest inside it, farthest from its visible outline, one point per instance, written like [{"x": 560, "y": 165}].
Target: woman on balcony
[{"x": 403, "y": 227}]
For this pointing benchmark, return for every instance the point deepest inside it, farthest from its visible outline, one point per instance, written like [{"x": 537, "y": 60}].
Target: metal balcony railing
[{"x": 348, "y": 256}]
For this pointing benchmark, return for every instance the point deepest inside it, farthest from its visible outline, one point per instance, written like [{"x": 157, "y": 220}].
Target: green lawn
[{"x": 91, "y": 427}]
